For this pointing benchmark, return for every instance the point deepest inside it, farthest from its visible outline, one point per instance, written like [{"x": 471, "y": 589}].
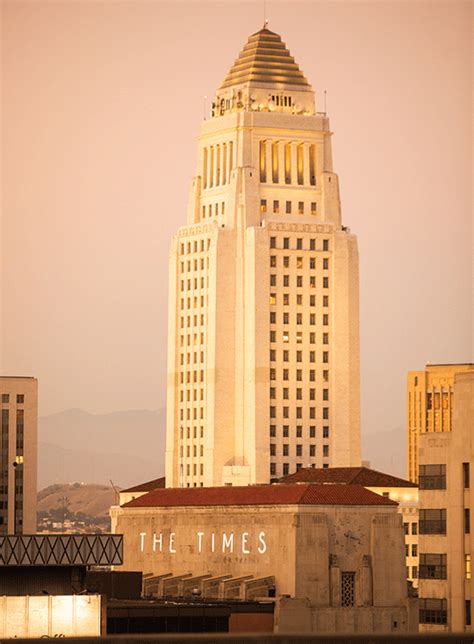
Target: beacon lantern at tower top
[{"x": 264, "y": 78}]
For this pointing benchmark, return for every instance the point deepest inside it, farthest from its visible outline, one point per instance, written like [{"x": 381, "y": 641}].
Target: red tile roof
[
  {"x": 148, "y": 486},
  {"x": 346, "y": 475},
  {"x": 309, "y": 494}
]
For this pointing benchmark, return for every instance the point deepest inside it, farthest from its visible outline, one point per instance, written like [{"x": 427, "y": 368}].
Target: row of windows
[
  {"x": 195, "y": 301},
  {"x": 20, "y": 399},
  {"x": 195, "y": 395},
  {"x": 286, "y": 299},
  {"x": 288, "y": 207},
  {"x": 299, "y": 243},
  {"x": 213, "y": 209},
  {"x": 299, "y": 431},
  {"x": 433, "y": 477},
  {"x": 182, "y": 432},
  {"x": 194, "y": 469},
  {"x": 285, "y": 450},
  {"x": 299, "y": 374},
  {"x": 289, "y": 169},
  {"x": 286, "y": 335},
  {"x": 194, "y": 339},
  {"x": 195, "y": 264},
  {"x": 196, "y": 319},
  {"x": 188, "y": 451},
  {"x": 299, "y": 263},
  {"x": 198, "y": 413},
  {"x": 433, "y": 521},
  {"x": 195, "y": 246},
  {"x": 298, "y": 412},
  {"x": 298, "y": 355},
  {"x": 195, "y": 357},
  {"x": 191, "y": 376},
  {"x": 414, "y": 528},
  {"x": 285, "y": 393},
  {"x": 195, "y": 283},
  {"x": 298, "y": 284}
]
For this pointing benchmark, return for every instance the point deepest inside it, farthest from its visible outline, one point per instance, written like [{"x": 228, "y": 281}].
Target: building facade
[
  {"x": 263, "y": 358},
  {"x": 18, "y": 455},
  {"x": 446, "y": 497},
  {"x": 405, "y": 493},
  {"x": 331, "y": 556},
  {"x": 429, "y": 405}
]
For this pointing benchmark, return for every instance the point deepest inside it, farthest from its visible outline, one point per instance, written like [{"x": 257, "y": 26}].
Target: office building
[
  {"x": 18, "y": 455},
  {"x": 446, "y": 497},
  {"x": 263, "y": 349},
  {"x": 429, "y": 405},
  {"x": 331, "y": 557}
]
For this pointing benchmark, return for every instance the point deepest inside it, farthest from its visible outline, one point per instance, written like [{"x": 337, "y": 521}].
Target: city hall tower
[{"x": 263, "y": 348}]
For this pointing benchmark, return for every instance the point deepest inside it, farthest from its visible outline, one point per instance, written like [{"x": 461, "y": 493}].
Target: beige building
[
  {"x": 263, "y": 358},
  {"x": 405, "y": 493},
  {"x": 429, "y": 405},
  {"x": 446, "y": 542},
  {"x": 18, "y": 455},
  {"x": 331, "y": 556}
]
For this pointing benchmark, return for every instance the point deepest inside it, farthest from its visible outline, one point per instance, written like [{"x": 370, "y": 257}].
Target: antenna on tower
[
  {"x": 204, "y": 107},
  {"x": 325, "y": 100},
  {"x": 265, "y": 19}
]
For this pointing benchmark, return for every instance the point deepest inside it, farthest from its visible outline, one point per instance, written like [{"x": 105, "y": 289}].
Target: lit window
[
  {"x": 467, "y": 566},
  {"x": 299, "y": 262},
  {"x": 263, "y": 205},
  {"x": 299, "y": 338},
  {"x": 286, "y": 337},
  {"x": 272, "y": 298}
]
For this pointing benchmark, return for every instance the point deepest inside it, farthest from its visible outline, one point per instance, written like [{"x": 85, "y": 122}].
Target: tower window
[
  {"x": 313, "y": 207},
  {"x": 276, "y": 206},
  {"x": 301, "y": 207},
  {"x": 263, "y": 205},
  {"x": 288, "y": 207}
]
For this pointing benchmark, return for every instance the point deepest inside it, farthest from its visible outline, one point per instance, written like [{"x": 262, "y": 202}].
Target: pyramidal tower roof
[{"x": 265, "y": 59}]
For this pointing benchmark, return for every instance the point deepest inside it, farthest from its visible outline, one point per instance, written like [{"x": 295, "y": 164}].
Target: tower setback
[{"x": 263, "y": 349}]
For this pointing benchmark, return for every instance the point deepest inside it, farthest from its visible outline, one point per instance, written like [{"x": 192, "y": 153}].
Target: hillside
[{"x": 75, "y": 507}]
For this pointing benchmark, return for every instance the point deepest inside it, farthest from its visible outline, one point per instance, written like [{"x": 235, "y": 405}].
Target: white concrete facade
[{"x": 263, "y": 357}]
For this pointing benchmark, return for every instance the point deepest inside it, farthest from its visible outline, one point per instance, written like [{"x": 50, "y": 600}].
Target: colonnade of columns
[
  {"x": 218, "y": 161},
  {"x": 287, "y": 162}
]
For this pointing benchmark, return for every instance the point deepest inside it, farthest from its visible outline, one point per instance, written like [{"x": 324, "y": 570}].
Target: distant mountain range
[{"x": 127, "y": 447}]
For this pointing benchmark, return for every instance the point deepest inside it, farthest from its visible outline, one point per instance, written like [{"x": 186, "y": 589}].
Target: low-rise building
[
  {"x": 405, "y": 493},
  {"x": 331, "y": 556}
]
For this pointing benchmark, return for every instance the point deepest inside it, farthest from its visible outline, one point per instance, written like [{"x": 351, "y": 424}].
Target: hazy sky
[{"x": 101, "y": 104}]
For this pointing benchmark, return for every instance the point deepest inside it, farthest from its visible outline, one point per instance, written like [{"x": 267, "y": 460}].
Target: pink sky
[{"x": 101, "y": 106}]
